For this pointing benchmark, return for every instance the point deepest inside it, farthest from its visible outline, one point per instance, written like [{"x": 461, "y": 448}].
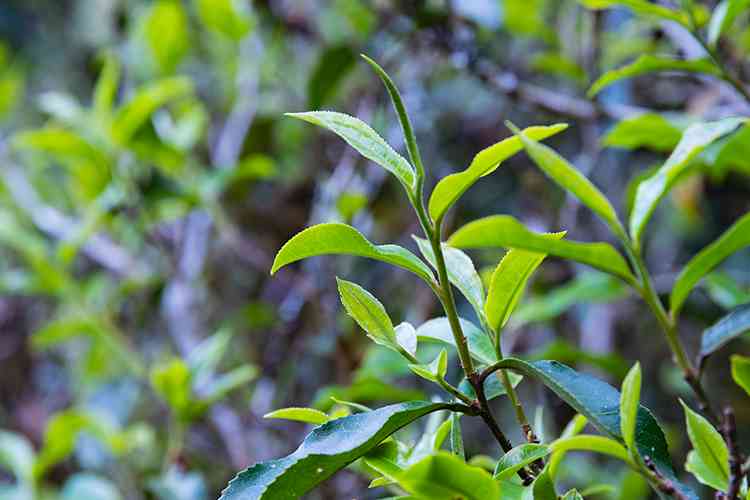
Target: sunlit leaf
[
  {"x": 596, "y": 444},
  {"x": 629, "y": 402},
  {"x": 647, "y": 130},
  {"x": 722, "y": 18},
  {"x": 368, "y": 312},
  {"x": 709, "y": 460},
  {"x": 307, "y": 415},
  {"x": 741, "y": 371},
  {"x": 444, "y": 476}
]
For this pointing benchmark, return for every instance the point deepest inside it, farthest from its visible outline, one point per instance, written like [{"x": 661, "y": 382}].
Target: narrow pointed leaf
[
  {"x": 444, "y": 476},
  {"x": 599, "y": 402},
  {"x": 365, "y": 140},
  {"x": 648, "y": 130},
  {"x": 327, "y": 449},
  {"x": 456, "y": 436},
  {"x": 341, "y": 239},
  {"x": 368, "y": 312},
  {"x": 435, "y": 370},
  {"x": 307, "y": 415},
  {"x": 451, "y": 187},
  {"x": 731, "y": 326},
  {"x": 651, "y": 190},
  {"x": 741, "y": 371},
  {"x": 439, "y": 329},
  {"x": 518, "y": 458},
  {"x": 506, "y": 232},
  {"x": 650, "y": 64},
  {"x": 722, "y": 18},
  {"x": 629, "y": 403},
  {"x": 734, "y": 239},
  {"x": 710, "y": 459}
]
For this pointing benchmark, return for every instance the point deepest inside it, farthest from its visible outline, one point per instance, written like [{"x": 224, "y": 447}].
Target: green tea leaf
[
  {"x": 640, "y": 7},
  {"x": 434, "y": 371},
  {"x": 734, "y": 239},
  {"x": 451, "y": 187},
  {"x": 439, "y": 329},
  {"x": 166, "y": 32},
  {"x": 307, "y": 415},
  {"x": 629, "y": 402},
  {"x": 647, "y": 130},
  {"x": 230, "y": 18},
  {"x": 731, "y": 326},
  {"x": 722, "y": 18},
  {"x": 365, "y": 140},
  {"x": 368, "y": 312},
  {"x": 326, "y": 450},
  {"x": 572, "y": 495},
  {"x": 505, "y": 231},
  {"x": 543, "y": 488},
  {"x": 597, "y": 444},
  {"x": 695, "y": 139},
  {"x": 650, "y": 64},
  {"x": 599, "y": 402},
  {"x": 172, "y": 381},
  {"x": 574, "y": 427},
  {"x": 518, "y": 458},
  {"x": 741, "y": 371},
  {"x": 341, "y": 239},
  {"x": 444, "y": 476},
  {"x": 570, "y": 179},
  {"x": 709, "y": 460},
  {"x": 508, "y": 283}
]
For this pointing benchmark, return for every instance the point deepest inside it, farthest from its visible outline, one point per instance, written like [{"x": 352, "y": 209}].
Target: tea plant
[{"x": 368, "y": 440}]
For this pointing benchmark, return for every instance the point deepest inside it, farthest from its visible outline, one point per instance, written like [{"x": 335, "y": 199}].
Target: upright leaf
[
  {"x": 365, "y": 140},
  {"x": 341, "y": 239},
  {"x": 650, "y": 64},
  {"x": 327, "y": 449},
  {"x": 629, "y": 402},
  {"x": 734, "y": 239},
  {"x": 695, "y": 139},
  {"x": 597, "y": 444},
  {"x": 434, "y": 371},
  {"x": 741, "y": 371},
  {"x": 451, "y": 187},
  {"x": 444, "y": 476},
  {"x": 369, "y": 313},
  {"x": 709, "y": 460},
  {"x": 506, "y": 232}
]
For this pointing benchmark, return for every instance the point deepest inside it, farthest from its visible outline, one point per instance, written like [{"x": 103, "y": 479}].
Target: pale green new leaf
[
  {"x": 647, "y": 130},
  {"x": 341, "y": 239},
  {"x": 709, "y": 460},
  {"x": 649, "y": 64},
  {"x": 87, "y": 486},
  {"x": 518, "y": 458},
  {"x": 722, "y": 18},
  {"x": 630, "y": 397},
  {"x": 734, "y": 239},
  {"x": 439, "y": 329},
  {"x": 443, "y": 476},
  {"x": 508, "y": 282},
  {"x": 365, "y": 140},
  {"x": 588, "y": 442},
  {"x": 741, "y": 371},
  {"x": 640, "y": 7},
  {"x": 368, "y": 312},
  {"x": 435, "y": 370},
  {"x": 451, "y": 187},
  {"x": 507, "y": 232},
  {"x": 650, "y": 191},
  {"x": 570, "y": 179},
  {"x": 307, "y": 415}
]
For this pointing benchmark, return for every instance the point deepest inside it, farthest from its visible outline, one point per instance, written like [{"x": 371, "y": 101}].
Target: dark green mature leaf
[
  {"x": 451, "y": 187},
  {"x": 599, "y": 402},
  {"x": 518, "y": 458},
  {"x": 439, "y": 329},
  {"x": 709, "y": 460},
  {"x": 505, "y": 231},
  {"x": 365, "y": 140},
  {"x": 327, "y": 449},
  {"x": 341, "y": 239},
  {"x": 741, "y": 371},
  {"x": 648, "y": 130},
  {"x": 443, "y": 476},
  {"x": 727, "y": 328},
  {"x": 650, "y": 64},
  {"x": 734, "y": 239}
]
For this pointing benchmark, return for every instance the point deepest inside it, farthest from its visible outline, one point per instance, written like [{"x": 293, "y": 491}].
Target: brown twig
[
  {"x": 729, "y": 431},
  {"x": 662, "y": 483}
]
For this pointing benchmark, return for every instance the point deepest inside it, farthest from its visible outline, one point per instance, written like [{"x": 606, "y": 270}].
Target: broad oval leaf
[
  {"x": 307, "y": 415},
  {"x": 451, "y": 187},
  {"x": 587, "y": 442},
  {"x": 727, "y": 328},
  {"x": 365, "y": 140},
  {"x": 647, "y": 130},
  {"x": 570, "y": 179},
  {"x": 327, "y": 449},
  {"x": 629, "y": 401},
  {"x": 368, "y": 312},
  {"x": 507, "y": 232},
  {"x": 341, "y": 239},
  {"x": 439, "y": 329},
  {"x": 518, "y": 458},
  {"x": 443, "y": 476},
  {"x": 741, "y": 371},
  {"x": 649, "y": 64},
  {"x": 709, "y": 460},
  {"x": 650, "y": 191},
  {"x": 734, "y": 239},
  {"x": 599, "y": 402}
]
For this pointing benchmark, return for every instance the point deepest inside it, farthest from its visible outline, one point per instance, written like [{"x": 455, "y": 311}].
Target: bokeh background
[{"x": 148, "y": 176}]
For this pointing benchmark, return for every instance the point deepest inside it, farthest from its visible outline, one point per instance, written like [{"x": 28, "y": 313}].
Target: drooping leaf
[
  {"x": 508, "y": 283},
  {"x": 599, "y": 402},
  {"x": 630, "y": 398},
  {"x": 543, "y": 488},
  {"x": 695, "y": 139},
  {"x": 709, "y": 460},
  {"x": 647, "y": 130},
  {"x": 105, "y": 91},
  {"x": 587, "y": 442},
  {"x": 505, "y": 231},
  {"x": 722, "y": 18},
  {"x": 439, "y": 329},
  {"x": 570, "y": 179},
  {"x": 341, "y": 239},
  {"x": 327, "y": 449},
  {"x": 741, "y": 371},
  {"x": 731, "y": 326},
  {"x": 444, "y": 476},
  {"x": 640, "y": 7},
  {"x": 307, "y": 415},
  {"x": 451, "y": 187},
  {"x": 734, "y": 239},
  {"x": 368, "y": 312},
  {"x": 365, "y": 140},
  {"x": 518, "y": 458},
  {"x": 648, "y": 63},
  {"x": 461, "y": 273}
]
